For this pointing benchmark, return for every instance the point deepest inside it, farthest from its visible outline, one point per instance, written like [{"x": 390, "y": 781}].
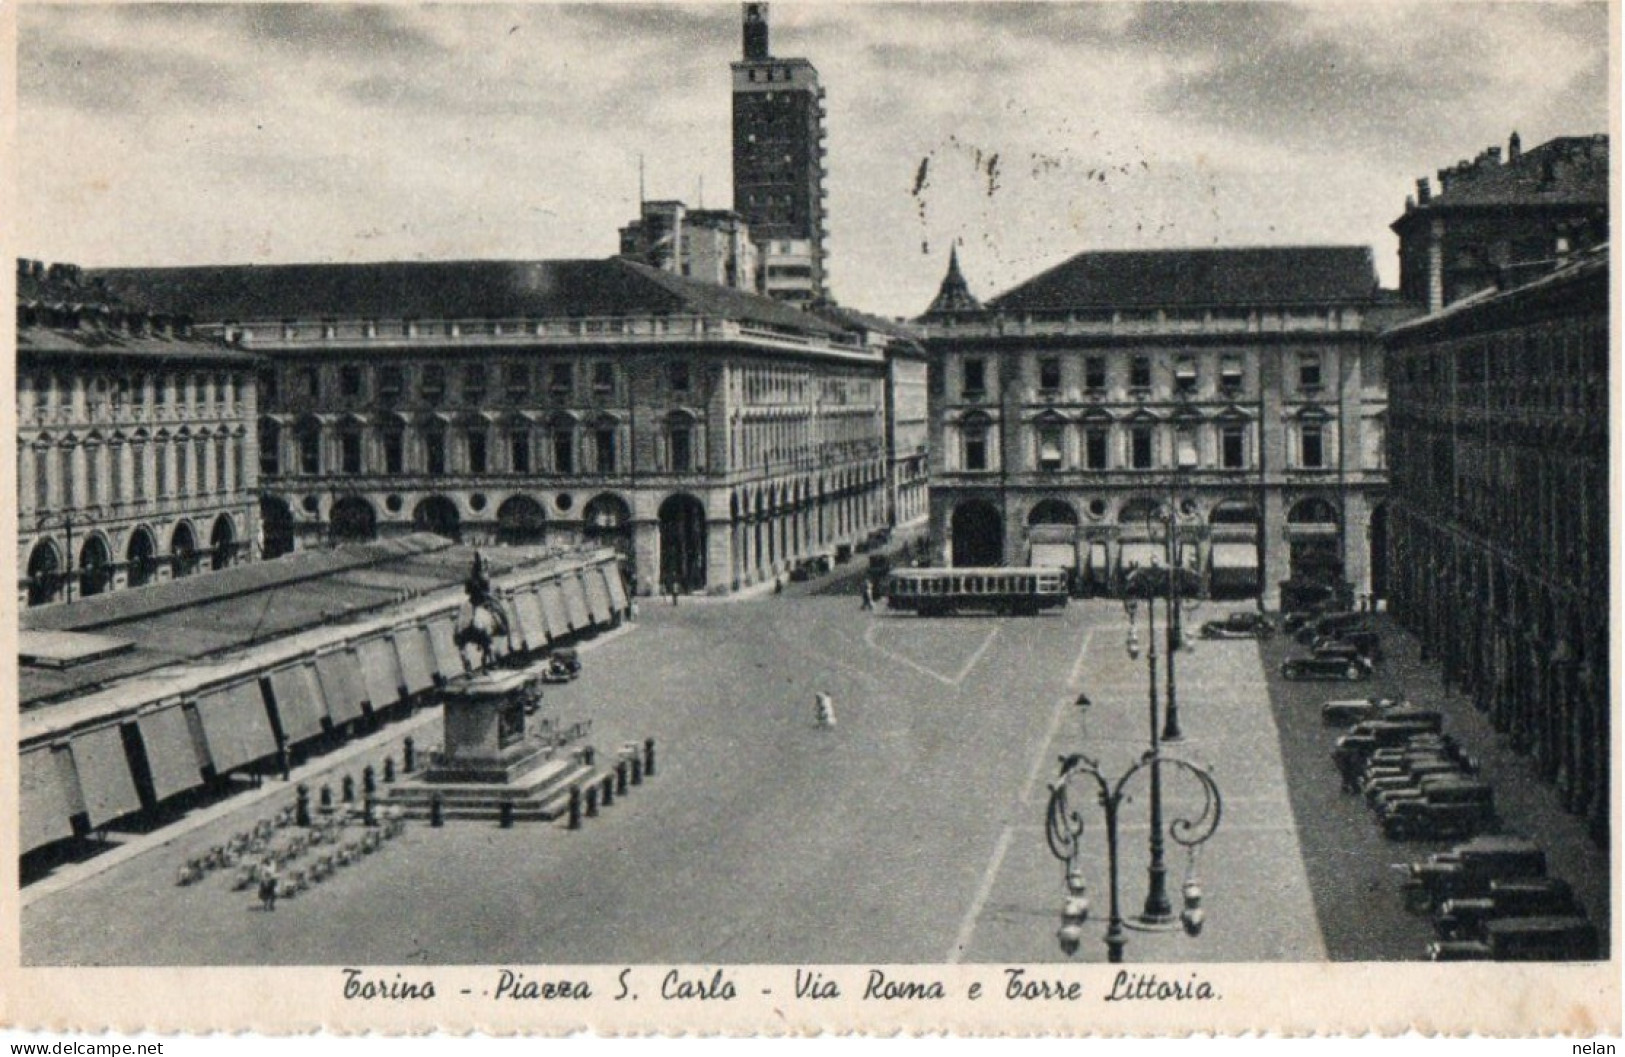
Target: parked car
[
  {"x": 1525, "y": 939},
  {"x": 1348, "y": 711},
  {"x": 1368, "y": 642},
  {"x": 1242, "y": 624},
  {"x": 1332, "y": 625},
  {"x": 1352, "y": 667}
]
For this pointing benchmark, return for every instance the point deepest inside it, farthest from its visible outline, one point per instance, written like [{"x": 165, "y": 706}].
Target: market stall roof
[{"x": 202, "y": 617}]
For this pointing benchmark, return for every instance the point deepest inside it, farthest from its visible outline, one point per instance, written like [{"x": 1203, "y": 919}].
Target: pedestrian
[
  {"x": 824, "y": 711},
  {"x": 778, "y": 584},
  {"x": 868, "y": 596},
  {"x": 268, "y": 881}
]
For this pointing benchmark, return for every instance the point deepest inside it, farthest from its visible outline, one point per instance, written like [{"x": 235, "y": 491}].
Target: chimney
[
  {"x": 1424, "y": 192},
  {"x": 1514, "y": 148},
  {"x": 1493, "y": 155}
]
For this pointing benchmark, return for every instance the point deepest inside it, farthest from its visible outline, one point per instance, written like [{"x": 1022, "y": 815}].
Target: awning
[
  {"x": 413, "y": 653},
  {"x": 341, "y": 685},
  {"x": 1054, "y": 556},
  {"x": 379, "y": 671},
  {"x": 575, "y": 601},
  {"x": 1234, "y": 556},
  {"x": 448, "y": 661},
  {"x": 49, "y": 796},
  {"x": 299, "y": 703},
  {"x": 172, "y": 755},
  {"x": 617, "y": 589},
  {"x": 553, "y": 607},
  {"x": 1144, "y": 555},
  {"x": 235, "y": 725},
  {"x": 527, "y": 609},
  {"x": 104, "y": 775},
  {"x": 597, "y": 596}
]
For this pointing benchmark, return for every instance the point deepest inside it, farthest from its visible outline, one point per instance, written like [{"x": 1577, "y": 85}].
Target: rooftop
[
  {"x": 1198, "y": 278},
  {"x": 447, "y": 290},
  {"x": 200, "y": 617},
  {"x": 1567, "y": 171}
]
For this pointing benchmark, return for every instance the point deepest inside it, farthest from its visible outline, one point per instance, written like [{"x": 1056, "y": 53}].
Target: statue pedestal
[{"x": 485, "y": 738}]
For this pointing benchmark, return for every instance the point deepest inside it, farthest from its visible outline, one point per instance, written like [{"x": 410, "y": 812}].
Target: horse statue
[{"x": 481, "y": 620}]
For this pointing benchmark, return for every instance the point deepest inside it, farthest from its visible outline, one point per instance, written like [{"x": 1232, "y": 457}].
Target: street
[{"x": 910, "y": 832}]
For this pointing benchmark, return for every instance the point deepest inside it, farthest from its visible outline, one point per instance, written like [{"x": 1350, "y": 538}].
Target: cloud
[{"x": 122, "y": 80}]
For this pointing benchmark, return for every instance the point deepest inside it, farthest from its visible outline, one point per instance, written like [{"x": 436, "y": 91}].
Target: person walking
[
  {"x": 268, "y": 883},
  {"x": 868, "y": 596}
]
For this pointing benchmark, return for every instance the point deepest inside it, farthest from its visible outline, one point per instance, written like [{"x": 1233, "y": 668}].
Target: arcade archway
[
  {"x": 438, "y": 515},
  {"x": 682, "y": 543},
  {"x": 276, "y": 528},
  {"x": 352, "y": 520},
  {"x": 520, "y": 519},
  {"x": 977, "y": 534}
]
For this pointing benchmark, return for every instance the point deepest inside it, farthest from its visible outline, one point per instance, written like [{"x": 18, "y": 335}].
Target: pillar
[{"x": 646, "y": 552}]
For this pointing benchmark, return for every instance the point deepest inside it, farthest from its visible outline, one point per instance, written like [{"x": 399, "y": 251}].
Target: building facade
[
  {"x": 136, "y": 448},
  {"x": 1240, "y": 389},
  {"x": 1499, "y": 411},
  {"x": 711, "y": 245},
  {"x": 778, "y": 163},
  {"x": 1492, "y": 221},
  {"x": 714, "y": 438}
]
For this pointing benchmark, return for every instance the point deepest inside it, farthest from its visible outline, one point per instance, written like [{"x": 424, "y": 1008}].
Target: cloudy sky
[{"x": 181, "y": 134}]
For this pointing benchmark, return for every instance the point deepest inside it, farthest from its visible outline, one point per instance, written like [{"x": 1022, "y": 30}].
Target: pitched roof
[
  {"x": 440, "y": 290},
  {"x": 1198, "y": 278}
]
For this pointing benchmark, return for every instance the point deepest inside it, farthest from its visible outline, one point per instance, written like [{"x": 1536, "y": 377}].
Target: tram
[{"x": 934, "y": 592}]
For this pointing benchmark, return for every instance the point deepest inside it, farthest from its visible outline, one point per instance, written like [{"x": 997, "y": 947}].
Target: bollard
[
  {"x": 649, "y": 758},
  {"x": 347, "y": 790},
  {"x": 301, "y": 807},
  {"x": 575, "y": 807},
  {"x": 592, "y": 801},
  {"x": 620, "y": 777},
  {"x": 284, "y": 764},
  {"x": 436, "y": 809},
  {"x": 409, "y": 750},
  {"x": 587, "y": 755},
  {"x": 637, "y": 769},
  {"x": 369, "y": 816},
  {"x": 369, "y": 781},
  {"x": 608, "y": 785},
  {"x": 389, "y": 769},
  {"x": 505, "y": 814},
  {"x": 327, "y": 797}
]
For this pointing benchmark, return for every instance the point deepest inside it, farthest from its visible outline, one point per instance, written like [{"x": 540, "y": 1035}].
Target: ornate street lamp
[{"x": 1064, "y": 828}]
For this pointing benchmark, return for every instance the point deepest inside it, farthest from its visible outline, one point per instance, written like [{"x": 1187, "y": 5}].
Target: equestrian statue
[{"x": 481, "y": 621}]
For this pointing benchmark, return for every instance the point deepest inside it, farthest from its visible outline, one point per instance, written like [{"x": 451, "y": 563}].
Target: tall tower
[{"x": 778, "y": 117}]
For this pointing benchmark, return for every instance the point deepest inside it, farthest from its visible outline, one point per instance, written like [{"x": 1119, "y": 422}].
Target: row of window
[
  {"x": 560, "y": 450},
  {"x": 1137, "y": 447},
  {"x": 1053, "y": 372},
  {"x": 43, "y": 391},
  {"x": 92, "y": 475},
  {"x": 476, "y": 382}
]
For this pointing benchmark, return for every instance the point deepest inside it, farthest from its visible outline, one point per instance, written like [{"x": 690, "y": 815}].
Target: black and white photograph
[{"x": 993, "y": 517}]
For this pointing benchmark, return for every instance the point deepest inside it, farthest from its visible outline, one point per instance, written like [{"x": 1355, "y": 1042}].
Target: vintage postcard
[{"x": 973, "y": 518}]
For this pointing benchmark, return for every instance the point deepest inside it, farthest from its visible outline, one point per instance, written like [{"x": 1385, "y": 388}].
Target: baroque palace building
[
  {"x": 1240, "y": 388},
  {"x": 711, "y": 436},
  {"x": 136, "y": 456},
  {"x": 1499, "y": 407}
]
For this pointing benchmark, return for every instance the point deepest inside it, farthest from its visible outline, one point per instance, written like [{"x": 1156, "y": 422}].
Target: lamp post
[
  {"x": 1151, "y": 582},
  {"x": 1064, "y": 826}
]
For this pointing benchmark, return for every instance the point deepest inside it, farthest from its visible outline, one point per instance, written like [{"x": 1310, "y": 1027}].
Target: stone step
[{"x": 545, "y": 802}]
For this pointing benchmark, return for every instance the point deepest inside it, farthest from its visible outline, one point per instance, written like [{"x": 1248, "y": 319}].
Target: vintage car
[
  {"x": 1467, "y": 870},
  {"x": 1347, "y": 664},
  {"x": 1349, "y": 711},
  {"x": 1332, "y": 626},
  {"x": 1567, "y": 938},
  {"x": 1242, "y": 624},
  {"x": 1465, "y": 918},
  {"x": 1368, "y": 642}
]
